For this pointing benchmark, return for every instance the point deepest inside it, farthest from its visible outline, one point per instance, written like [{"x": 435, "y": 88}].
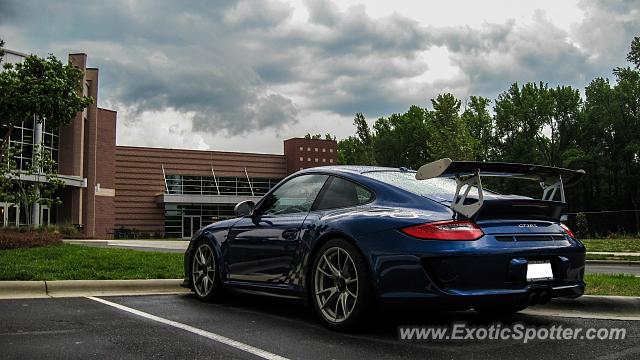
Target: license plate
[{"x": 539, "y": 271}]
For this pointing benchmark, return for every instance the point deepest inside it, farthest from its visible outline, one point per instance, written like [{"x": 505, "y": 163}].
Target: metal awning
[
  {"x": 69, "y": 180},
  {"x": 203, "y": 199}
]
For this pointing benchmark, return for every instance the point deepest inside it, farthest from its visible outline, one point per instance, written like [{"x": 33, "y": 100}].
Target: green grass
[
  {"x": 605, "y": 284},
  {"x": 612, "y": 245},
  {"x": 75, "y": 262}
]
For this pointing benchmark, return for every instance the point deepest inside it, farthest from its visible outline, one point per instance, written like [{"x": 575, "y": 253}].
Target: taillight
[
  {"x": 567, "y": 230},
  {"x": 445, "y": 230}
]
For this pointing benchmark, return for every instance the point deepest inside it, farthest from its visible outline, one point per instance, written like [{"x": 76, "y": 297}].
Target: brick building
[{"x": 127, "y": 191}]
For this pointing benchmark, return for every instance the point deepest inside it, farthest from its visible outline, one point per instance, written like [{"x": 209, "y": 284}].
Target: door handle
[{"x": 290, "y": 234}]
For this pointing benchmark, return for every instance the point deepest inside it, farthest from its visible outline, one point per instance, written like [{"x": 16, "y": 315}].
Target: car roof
[{"x": 353, "y": 169}]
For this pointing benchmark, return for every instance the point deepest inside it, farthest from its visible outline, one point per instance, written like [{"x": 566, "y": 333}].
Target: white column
[{"x": 37, "y": 147}]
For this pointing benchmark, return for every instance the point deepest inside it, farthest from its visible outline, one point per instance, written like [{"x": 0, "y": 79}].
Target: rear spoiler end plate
[{"x": 468, "y": 175}]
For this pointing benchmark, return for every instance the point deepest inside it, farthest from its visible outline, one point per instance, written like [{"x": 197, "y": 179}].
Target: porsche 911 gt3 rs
[{"x": 347, "y": 239}]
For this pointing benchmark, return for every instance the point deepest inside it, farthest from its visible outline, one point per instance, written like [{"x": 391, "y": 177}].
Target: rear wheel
[
  {"x": 205, "y": 279},
  {"x": 341, "y": 291}
]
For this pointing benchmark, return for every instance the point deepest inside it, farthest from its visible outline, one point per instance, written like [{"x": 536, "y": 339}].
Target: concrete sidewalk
[
  {"x": 610, "y": 253},
  {"x": 591, "y": 307},
  {"x": 149, "y": 245}
]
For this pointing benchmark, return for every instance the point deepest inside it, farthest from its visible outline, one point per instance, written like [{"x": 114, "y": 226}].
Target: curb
[
  {"x": 23, "y": 289},
  {"x": 592, "y": 306},
  {"x": 78, "y": 288},
  {"x": 613, "y": 262}
]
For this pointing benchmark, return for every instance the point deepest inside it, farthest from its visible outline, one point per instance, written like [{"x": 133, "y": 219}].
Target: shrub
[
  {"x": 25, "y": 237},
  {"x": 69, "y": 231},
  {"x": 582, "y": 226}
]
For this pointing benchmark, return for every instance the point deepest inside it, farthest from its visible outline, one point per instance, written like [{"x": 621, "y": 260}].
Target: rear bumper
[
  {"x": 531, "y": 295},
  {"x": 459, "y": 275}
]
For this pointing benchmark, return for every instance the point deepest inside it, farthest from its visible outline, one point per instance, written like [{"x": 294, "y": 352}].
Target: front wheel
[
  {"x": 205, "y": 279},
  {"x": 341, "y": 291}
]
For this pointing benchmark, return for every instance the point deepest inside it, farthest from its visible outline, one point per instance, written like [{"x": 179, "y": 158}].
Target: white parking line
[{"x": 215, "y": 337}]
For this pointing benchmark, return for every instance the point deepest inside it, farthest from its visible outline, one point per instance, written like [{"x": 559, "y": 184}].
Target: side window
[
  {"x": 343, "y": 193},
  {"x": 294, "y": 196}
]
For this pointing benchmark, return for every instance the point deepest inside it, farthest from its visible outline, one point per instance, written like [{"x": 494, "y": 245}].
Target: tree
[
  {"x": 327, "y": 136},
  {"x": 448, "y": 134},
  {"x": 401, "y": 139},
  {"x": 479, "y": 123},
  {"x": 357, "y": 150},
  {"x": 41, "y": 89},
  {"x": 1, "y": 50},
  {"x": 634, "y": 55}
]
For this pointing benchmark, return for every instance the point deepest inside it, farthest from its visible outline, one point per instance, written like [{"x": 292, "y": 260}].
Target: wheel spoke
[
  {"x": 203, "y": 260},
  {"x": 348, "y": 292},
  {"x": 325, "y": 273},
  {"x": 197, "y": 256},
  {"x": 334, "y": 271},
  {"x": 331, "y": 289},
  {"x": 329, "y": 299}
]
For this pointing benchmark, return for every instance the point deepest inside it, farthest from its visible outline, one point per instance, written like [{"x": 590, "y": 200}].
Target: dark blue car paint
[{"x": 403, "y": 269}]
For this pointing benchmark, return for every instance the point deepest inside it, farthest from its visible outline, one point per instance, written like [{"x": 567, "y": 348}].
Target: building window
[
  {"x": 301, "y": 148},
  {"x": 301, "y": 158},
  {"x": 330, "y": 150},
  {"x": 331, "y": 161},
  {"x": 308, "y": 149},
  {"x": 316, "y": 150},
  {"x": 324, "y": 150},
  {"x": 324, "y": 160},
  {"x": 316, "y": 159},
  {"x": 207, "y": 185},
  {"x": 309, "y": 159},
  {"x": 301, "y": 168}
]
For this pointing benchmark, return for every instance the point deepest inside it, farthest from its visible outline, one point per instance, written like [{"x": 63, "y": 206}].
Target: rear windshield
[{"x": 437, "y": 187}]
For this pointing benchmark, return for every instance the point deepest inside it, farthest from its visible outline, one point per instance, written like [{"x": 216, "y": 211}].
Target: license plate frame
[{"x": 539, "y": 270}]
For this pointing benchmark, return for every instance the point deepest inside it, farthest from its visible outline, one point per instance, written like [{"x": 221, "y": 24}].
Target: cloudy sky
[{"x": 243, "y": 75}]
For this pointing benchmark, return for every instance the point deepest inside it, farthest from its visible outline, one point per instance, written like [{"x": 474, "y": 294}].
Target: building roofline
[
  {"x": 304, "y": 139},
  {"x": 198, "y": 151}
]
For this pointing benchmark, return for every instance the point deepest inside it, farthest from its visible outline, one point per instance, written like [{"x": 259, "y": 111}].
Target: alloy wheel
[
  {"x": 203, "y": 270},
  {"x": 336, "y": 284}
]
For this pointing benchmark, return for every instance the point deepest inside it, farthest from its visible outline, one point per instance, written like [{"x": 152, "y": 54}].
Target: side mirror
[{"x": 244, "y": 208}]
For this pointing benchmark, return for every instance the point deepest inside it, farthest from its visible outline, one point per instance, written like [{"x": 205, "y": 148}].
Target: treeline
[{"x": 529, "y": 123}]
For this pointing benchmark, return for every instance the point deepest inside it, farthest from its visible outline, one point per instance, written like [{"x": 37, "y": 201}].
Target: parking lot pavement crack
[{"x": 213, "y": 336}]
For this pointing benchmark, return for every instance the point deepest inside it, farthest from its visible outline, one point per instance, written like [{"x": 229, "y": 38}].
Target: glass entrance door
[
  {"x": 9, "y": 214},
  {"x": 45, "y": 215},
  {"x": 190, "y": 224}
]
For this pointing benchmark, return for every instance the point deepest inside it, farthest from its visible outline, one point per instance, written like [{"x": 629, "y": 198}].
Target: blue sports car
[{"x": 347, "y": 239}]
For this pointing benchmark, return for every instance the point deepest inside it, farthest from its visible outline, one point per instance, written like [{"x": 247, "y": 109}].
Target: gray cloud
[{"x": 241, "y": 66}]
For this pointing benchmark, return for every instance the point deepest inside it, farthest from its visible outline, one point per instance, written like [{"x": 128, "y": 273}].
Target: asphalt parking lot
[{"x": 251, "y": 327}]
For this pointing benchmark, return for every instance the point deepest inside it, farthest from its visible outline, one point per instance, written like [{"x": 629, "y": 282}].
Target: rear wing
[{"x": 468, "y": 175}]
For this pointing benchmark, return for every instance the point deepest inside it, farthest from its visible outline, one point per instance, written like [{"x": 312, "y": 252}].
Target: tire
[
  {"x": 341, "y": 296},
  {"x": 206, "y": 287},
  {"x": 500, "y": 310}
]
